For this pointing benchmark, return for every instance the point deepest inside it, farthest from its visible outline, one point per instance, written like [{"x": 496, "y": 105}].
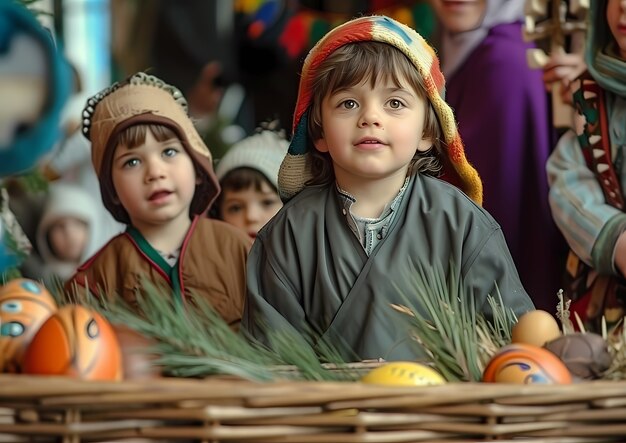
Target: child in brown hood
[{"x": 156, "y": 177}]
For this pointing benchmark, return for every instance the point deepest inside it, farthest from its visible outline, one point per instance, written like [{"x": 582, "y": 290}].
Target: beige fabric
[
  {"x": 295, "y": 171},
  {"x": 133, "y": 100},
  {"x": 212, "y": 265}
]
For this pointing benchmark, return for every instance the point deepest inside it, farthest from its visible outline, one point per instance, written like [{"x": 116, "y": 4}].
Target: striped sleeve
[{"x": 579, "y": 208}]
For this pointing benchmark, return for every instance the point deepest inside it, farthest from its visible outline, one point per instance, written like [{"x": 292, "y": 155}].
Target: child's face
[
  {"x": 616, "y": 19},
  {"x": 68, "y": 238},
  {"x": 249, "y": 209},
  {"x": 372, "y": 133},
  {"x": 155, "y": 182},
  {"x": 460, "y": 15}
]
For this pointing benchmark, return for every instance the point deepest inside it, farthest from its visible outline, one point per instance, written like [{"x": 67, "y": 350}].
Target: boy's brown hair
[
  {"x": 296, "y": 169},
  {"x": 350, "y": 65},
  {"x": 238, "y": 180}
]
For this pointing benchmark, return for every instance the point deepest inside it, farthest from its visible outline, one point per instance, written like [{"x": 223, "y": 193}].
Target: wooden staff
[{"x": 553, "y": 21}]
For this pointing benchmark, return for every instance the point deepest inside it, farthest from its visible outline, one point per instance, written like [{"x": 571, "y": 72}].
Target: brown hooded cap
[{"x": 144, "y": 99}]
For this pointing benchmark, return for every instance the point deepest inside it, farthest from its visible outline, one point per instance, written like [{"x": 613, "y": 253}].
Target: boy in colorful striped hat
[{"x": 363, "y": 205}]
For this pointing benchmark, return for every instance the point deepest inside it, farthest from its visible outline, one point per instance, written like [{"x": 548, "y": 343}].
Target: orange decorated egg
[
  {"x": 75, "y": 341},
  {"x": 24, "y": 306},
  {"x": 522, "y": 363}
]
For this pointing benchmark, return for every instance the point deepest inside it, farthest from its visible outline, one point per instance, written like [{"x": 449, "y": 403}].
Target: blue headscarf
[
  {"x": 606, "y": 69},
  {"x": 30, "y": 143}
]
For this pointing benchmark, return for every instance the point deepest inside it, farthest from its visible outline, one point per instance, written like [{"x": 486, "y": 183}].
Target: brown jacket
[{"x": 212, "y": 264}]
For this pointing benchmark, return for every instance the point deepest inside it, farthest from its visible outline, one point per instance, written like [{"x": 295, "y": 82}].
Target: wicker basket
[{"x": 226, "y": 410}]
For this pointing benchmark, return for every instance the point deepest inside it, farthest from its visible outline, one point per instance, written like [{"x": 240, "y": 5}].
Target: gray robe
[{"x": 306, "y": 266}]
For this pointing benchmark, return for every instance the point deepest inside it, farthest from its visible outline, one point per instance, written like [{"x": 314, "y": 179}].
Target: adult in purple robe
[{"x": 502, "y": 109}]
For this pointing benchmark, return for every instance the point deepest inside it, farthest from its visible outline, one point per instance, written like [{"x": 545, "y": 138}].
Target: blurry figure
[
  {"x": 70, "y": 162},
  {"x": 68, "y": 231},
  {"x": 206, "y": 93},
  {"x": 502, "y": 109},
  {"x": 34, "y": 85},
  {"x": 587, "y": 174},
  {"x": 192, "y": 46},
  {"x": 216, "y": 107},
  {"x": 248, "y": 176}
]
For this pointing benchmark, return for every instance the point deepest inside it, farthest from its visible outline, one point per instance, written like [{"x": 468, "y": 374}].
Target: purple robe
[{"x": 502, "y": 110}]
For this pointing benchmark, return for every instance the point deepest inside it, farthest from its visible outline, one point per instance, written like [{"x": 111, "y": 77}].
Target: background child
[
  {"x": 68, "y": 231},
  {"x": 587, "y": 199},
  {"x": 248, "y": 176},
  {"x": 371, "y": 129},
  {"x": 156, "y": 176}
]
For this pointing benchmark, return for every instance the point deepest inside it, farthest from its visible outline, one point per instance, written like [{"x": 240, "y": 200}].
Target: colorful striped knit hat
[{"x": 295, "y": 169}]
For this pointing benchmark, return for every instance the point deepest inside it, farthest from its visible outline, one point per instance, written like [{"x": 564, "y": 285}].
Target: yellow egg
[
  {"x": 403, "y": 373},
  {"x": 535, "y": 328}
]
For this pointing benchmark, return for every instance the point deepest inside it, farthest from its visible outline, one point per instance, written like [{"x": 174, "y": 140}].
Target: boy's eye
[
  {"x": 233, "y": 209},
  {"x": 349, "y": 104},
  {"x": 395, "y": 103},
  {"x": 131, "y": 163},
  {"x": 170, "y": 152},
  {"x": 269, "y": 202}
]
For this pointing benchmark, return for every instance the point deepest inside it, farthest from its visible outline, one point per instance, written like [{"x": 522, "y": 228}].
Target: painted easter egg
[
  {"x": 403, "y": 373},
  {"x": 535, "y": 328},
  {"x": 75, "y": 341},
  {"x": 522, "y": 363},
  {"x": 24, "y": 305}
]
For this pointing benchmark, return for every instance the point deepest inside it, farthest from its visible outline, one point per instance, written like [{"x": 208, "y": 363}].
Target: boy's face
[
  {"x": 460, "y": 15},
  {"x": 249, "y": 209},
  {"x": 616, "y": 19},
  {"x": 68, "y": 238},
  {"x": 372, "y": 133},
  {"x": 155, "y": 182}
]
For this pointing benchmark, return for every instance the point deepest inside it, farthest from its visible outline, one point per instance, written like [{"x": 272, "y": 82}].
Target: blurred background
[{"x": 237, "y": 62}]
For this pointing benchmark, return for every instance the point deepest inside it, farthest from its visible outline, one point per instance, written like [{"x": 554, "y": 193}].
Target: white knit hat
[
  {"x": 263, "y": 151},
  {"x": 67, "y": 200}
]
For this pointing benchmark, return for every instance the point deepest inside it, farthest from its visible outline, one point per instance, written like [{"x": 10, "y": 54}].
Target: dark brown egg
[{"x": 586, "y": 355}]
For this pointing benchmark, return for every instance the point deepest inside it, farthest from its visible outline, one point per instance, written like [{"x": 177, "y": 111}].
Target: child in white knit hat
[
  {"x": 69, "y": 231},
  {"x": 248, "y": 176}
]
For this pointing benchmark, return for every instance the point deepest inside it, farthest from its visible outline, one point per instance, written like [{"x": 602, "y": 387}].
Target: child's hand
[{"x": 563, "y": 68}]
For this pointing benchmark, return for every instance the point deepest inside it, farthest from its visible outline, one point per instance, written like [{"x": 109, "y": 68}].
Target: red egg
[
  {"x": 75, "y": 341},
  {"x": 526, "y": 364},
  {"x": 24, "y": 306}
]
